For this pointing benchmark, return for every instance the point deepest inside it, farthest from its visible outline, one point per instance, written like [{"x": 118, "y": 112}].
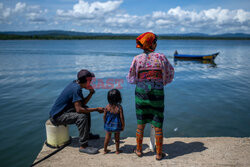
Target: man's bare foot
[
  {"x": 106, "y": 151},
  {"x": 118, "y": 152}
]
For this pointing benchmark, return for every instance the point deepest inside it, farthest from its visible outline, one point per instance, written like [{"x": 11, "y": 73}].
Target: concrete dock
[{"x": 186, "y": 152}]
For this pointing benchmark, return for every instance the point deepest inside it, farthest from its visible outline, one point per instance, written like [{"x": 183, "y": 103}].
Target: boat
[{"x": 195, "y": 57}]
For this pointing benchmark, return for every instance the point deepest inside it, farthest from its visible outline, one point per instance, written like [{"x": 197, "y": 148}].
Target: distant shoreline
[{"x": 109, "y": 37}]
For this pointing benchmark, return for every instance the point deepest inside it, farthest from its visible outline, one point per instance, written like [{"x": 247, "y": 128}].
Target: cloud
[
  {"x": 4, "y": 12},
  {"x": 242, "y": 16},
  {"x": 20, "y": 7},
  {"x": 109, "y": 16},
  {"x": 106, "y": 17},
  {"x": 211, "y": 20},
  {"x": 84, "y": 10},
  {"x": 121, "y": 20},
  {"x": 177, "y": 20},
  {"x": 31, "y": 13},
  {"x": 36, "y": 15}
]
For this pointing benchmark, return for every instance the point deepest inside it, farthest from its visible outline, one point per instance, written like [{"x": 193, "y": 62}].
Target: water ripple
[{"x": 211, "y": 97}]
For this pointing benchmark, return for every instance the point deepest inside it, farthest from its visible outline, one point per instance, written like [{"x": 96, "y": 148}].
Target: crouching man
[{"x": 70, "y": 108}]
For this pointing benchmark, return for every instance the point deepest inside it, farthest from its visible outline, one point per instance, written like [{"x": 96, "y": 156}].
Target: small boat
[{"x": 195, "y": 57}]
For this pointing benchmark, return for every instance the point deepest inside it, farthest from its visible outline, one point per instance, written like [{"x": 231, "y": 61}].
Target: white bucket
[
  {"x": 56, "y": 135},
  {"x": 152, "y": 138}
]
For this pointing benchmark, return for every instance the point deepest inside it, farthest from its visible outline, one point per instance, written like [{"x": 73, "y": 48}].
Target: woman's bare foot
[
  {"x": 138, "y": 153},
  {"x": 106, "y": 151},
  {"x": 160, "y": 156},
  {"x": 118, "y": 152}
]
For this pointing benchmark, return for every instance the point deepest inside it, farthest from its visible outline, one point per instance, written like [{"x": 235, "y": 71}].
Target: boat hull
[{"x": 196, "y": 57}]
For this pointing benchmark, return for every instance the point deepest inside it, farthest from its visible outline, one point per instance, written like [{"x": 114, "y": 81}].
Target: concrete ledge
[{"x": 209, "y": 152}]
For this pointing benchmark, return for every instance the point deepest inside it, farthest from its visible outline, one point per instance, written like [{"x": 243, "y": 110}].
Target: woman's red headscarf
[{"x": 145, "y": 41}]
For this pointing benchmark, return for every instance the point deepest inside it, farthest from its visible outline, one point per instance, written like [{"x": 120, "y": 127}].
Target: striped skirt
[{"x": 149, "y": 106}]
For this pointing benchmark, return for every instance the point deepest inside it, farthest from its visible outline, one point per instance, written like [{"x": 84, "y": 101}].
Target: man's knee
[
  {"x": 82, "y": 120},
  {"x": 83, "y": 116}
]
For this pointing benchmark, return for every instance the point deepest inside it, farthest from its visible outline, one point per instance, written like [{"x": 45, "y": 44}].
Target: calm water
[{"x": 203, "y": 99}]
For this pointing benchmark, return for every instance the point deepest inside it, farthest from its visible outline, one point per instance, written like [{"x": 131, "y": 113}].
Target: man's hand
[
  {"x": 92, "y": 91},
  {"x": 100, "y": 109}
]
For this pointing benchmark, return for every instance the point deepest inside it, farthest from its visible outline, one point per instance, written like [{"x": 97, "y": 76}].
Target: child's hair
[{"x": 114, "y": 97}]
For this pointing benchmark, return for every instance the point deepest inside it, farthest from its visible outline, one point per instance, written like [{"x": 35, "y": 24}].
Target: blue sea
[{"x": 204, "y": 100}]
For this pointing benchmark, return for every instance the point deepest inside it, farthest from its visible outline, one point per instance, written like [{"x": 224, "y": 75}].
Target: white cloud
[
  {"x": 84, "y": 10},
  {"x": 35, "y": 14},
  {"x": 213, "y": 20},
  {"x": 20, "y": 7},
  {"x": 242, "y": 16},
  {"x": 103, "y": 17},
  {"x": 4, "y": 13},
  {"x": 22, "y": 12},
  {"x": 159, "y": 14},
  {"x": 183, "y": 29},
  {"x": 163, "y": 22},
  {"x": 122, "y": 19},
  {"x": 107, "y": 16},
  {"x": 35, "y": 17}
]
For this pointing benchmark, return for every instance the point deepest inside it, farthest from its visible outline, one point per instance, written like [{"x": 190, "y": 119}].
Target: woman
[{"x": 150, "y": 71}]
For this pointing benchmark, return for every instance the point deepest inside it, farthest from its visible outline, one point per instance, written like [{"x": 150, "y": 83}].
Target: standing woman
[{"x": 150, "y": 71}]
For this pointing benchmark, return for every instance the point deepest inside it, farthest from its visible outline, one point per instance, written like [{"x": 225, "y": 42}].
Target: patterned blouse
[{"x": 150, "y": 62}]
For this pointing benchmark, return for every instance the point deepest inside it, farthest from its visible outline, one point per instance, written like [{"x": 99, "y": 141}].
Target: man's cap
[{"x": 83, "y": 74}]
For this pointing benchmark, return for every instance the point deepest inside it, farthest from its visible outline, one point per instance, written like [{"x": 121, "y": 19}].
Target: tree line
[{"x": 107, "y": 37}]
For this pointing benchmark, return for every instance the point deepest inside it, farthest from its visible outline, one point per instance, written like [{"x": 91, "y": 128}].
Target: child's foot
[
  {"x": 106, "y": 151},
  {"x": 118, "y": 152}
]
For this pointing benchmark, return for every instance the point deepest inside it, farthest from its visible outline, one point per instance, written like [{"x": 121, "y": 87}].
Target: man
[{"x": 70, "y": 108}]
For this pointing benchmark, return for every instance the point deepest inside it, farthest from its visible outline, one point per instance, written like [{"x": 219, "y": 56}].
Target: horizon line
[{"x": 125, "y": 33}]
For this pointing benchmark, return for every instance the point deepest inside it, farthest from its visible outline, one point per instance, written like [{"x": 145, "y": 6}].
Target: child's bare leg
[
  {"x": 106, "y": 142},
  {"x": 117, "y": 142}
]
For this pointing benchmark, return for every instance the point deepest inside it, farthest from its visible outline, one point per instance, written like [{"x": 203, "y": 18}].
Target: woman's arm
[
  {"x": 122, "y": 118},
  {"x": 167, "y": 70},
  {"x": 131, "y": 77}
]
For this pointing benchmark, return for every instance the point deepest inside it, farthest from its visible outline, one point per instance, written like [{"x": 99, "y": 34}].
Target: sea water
[{"x": 204, "y": 100}]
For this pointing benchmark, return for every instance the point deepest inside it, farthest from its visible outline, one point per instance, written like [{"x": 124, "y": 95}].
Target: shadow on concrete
[
  {"x": 129, "y": 149},
  {"x": 172, "y": 150},
  {"x": 97, "y": 143},
  {"x": 179, "y": 148}
]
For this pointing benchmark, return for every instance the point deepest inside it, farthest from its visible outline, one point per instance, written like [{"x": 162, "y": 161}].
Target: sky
[{"x": 127, "y": 16}]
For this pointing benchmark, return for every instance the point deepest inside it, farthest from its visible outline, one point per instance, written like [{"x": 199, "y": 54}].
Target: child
[{"x": 113, "y": 119}]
